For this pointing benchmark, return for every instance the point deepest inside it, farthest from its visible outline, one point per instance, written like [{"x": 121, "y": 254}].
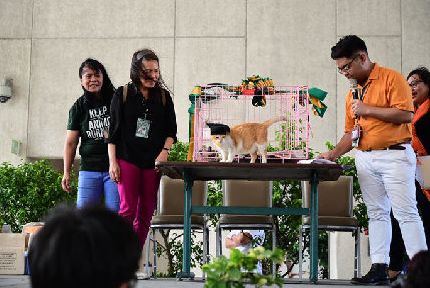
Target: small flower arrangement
[
  {"x": 258, "y": 87},
  {"x": 255, "y": 82},
  {"x": 230, "y": 272}
]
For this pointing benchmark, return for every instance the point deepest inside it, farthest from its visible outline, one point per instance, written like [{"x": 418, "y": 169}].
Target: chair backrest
[
  {"x": 335, "y": 198},
  {"x": 171, "y": 196},
  {"x": 247, "y": 193}
]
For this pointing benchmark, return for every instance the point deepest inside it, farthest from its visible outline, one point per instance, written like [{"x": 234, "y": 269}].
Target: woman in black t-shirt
[
  {"x": 89, "y": 122},
  {"x": 142, "y": 131}
]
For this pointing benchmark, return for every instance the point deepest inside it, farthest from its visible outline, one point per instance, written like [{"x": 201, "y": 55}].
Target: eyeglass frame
[
  {"x": 347, "y": 67},
  {"x": 415, "y": 83}
]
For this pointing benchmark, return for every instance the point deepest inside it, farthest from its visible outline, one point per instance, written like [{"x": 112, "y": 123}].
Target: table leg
[
  {"x": 186, "y": 256},
  {"x": 314, "y": 229}
]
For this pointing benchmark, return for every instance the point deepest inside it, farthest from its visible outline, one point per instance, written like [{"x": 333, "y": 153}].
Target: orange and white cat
[{"x": 246, "y": 138}]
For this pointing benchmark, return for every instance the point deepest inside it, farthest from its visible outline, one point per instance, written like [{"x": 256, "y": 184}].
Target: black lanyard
[
  {"x": 145, "y": 108},
  {"x": 364, "y": 90},
  {"x": 362, "y": 94}
]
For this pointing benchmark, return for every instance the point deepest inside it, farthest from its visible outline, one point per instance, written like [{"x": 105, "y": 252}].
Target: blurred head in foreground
[{"x": 89, "y": 247}]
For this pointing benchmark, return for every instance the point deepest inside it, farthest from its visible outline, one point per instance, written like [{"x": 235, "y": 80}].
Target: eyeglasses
[
  {"x": 345, "y": 68},
  {"x": 414, "y": 83}
]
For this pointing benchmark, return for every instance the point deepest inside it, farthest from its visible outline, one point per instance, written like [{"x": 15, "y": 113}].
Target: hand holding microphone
[
  {"x": 354, "y": 89},
  {"x": 356, "y": 96}
]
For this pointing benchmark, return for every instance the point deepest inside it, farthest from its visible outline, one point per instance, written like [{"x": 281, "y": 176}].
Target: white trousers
[{"x": 387, "y": 180}]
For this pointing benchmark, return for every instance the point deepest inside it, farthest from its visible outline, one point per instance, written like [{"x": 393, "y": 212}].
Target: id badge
[
  {"x": 355, "y": 135},
  {"x": 142, "y": 128}
]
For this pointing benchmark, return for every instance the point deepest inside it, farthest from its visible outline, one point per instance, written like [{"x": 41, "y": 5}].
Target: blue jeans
[{"x": 93, "y": 185}]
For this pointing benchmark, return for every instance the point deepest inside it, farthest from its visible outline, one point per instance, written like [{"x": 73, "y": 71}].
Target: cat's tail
[{"x": 272, "y": 121}]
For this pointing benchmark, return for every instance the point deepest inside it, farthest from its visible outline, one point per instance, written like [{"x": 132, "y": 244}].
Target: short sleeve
[
  {"x": 73, "y": 123},
  {"x": 399, "y": 93}
]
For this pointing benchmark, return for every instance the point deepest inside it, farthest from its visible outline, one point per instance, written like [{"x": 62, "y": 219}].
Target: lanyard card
[
  {"x": 355, "y": 135},
  {"x": 142, "y": 128}
]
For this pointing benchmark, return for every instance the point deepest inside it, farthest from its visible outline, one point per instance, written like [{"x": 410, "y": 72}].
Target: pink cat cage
[{"x": 224, "y": 104}]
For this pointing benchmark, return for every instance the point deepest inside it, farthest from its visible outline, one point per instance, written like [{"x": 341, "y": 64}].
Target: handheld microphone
[{"x": 354, "y": 89}]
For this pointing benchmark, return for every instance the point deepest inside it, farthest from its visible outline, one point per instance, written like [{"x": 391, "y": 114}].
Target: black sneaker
[{"x": 377, "y": 275}]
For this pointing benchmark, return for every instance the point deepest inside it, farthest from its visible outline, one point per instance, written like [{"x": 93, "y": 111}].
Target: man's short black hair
[
  {"x": 348, "y": 47},
  {"x": 89, "y": 247}
]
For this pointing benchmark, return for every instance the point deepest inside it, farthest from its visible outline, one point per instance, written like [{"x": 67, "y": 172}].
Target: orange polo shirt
[{"x": 385, "y": 88}]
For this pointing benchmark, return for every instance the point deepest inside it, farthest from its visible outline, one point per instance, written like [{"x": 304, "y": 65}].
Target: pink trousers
[{"x": 138, "y": 196}]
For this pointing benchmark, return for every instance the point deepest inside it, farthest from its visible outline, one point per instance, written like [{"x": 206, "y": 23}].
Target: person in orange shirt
[
  {"x": 419, "y": 81},
  {"x": 377, "y": 123}
]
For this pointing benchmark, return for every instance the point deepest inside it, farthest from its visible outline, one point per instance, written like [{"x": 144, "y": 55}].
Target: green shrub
[
  {"x": 179, "y": 151},
  {"x": 28, "y": 191}
]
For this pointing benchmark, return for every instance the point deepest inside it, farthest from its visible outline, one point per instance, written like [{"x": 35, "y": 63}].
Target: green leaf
[{"x": 29, "y": 190}]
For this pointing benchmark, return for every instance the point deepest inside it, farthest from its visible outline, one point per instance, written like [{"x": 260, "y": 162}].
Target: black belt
[{"x": 392, "y": 147}]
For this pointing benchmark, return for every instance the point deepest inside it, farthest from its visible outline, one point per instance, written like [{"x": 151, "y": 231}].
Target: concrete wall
[{"x": 43, "y": 42}]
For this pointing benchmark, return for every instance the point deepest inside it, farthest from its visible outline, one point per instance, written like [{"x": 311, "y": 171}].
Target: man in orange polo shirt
[{"x": 378, "y": 125}]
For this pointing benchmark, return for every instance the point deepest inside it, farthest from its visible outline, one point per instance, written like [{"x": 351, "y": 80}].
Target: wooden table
[{"x": 191, "y": 171}]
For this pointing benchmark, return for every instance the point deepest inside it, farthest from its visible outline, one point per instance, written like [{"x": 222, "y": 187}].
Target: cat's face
[{"x": 218, "y": 140}]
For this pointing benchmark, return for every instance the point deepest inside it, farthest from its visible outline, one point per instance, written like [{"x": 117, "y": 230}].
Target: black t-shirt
[
  {"x": 92, "y": 122},
  {"x": 132, "y": 144}
]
